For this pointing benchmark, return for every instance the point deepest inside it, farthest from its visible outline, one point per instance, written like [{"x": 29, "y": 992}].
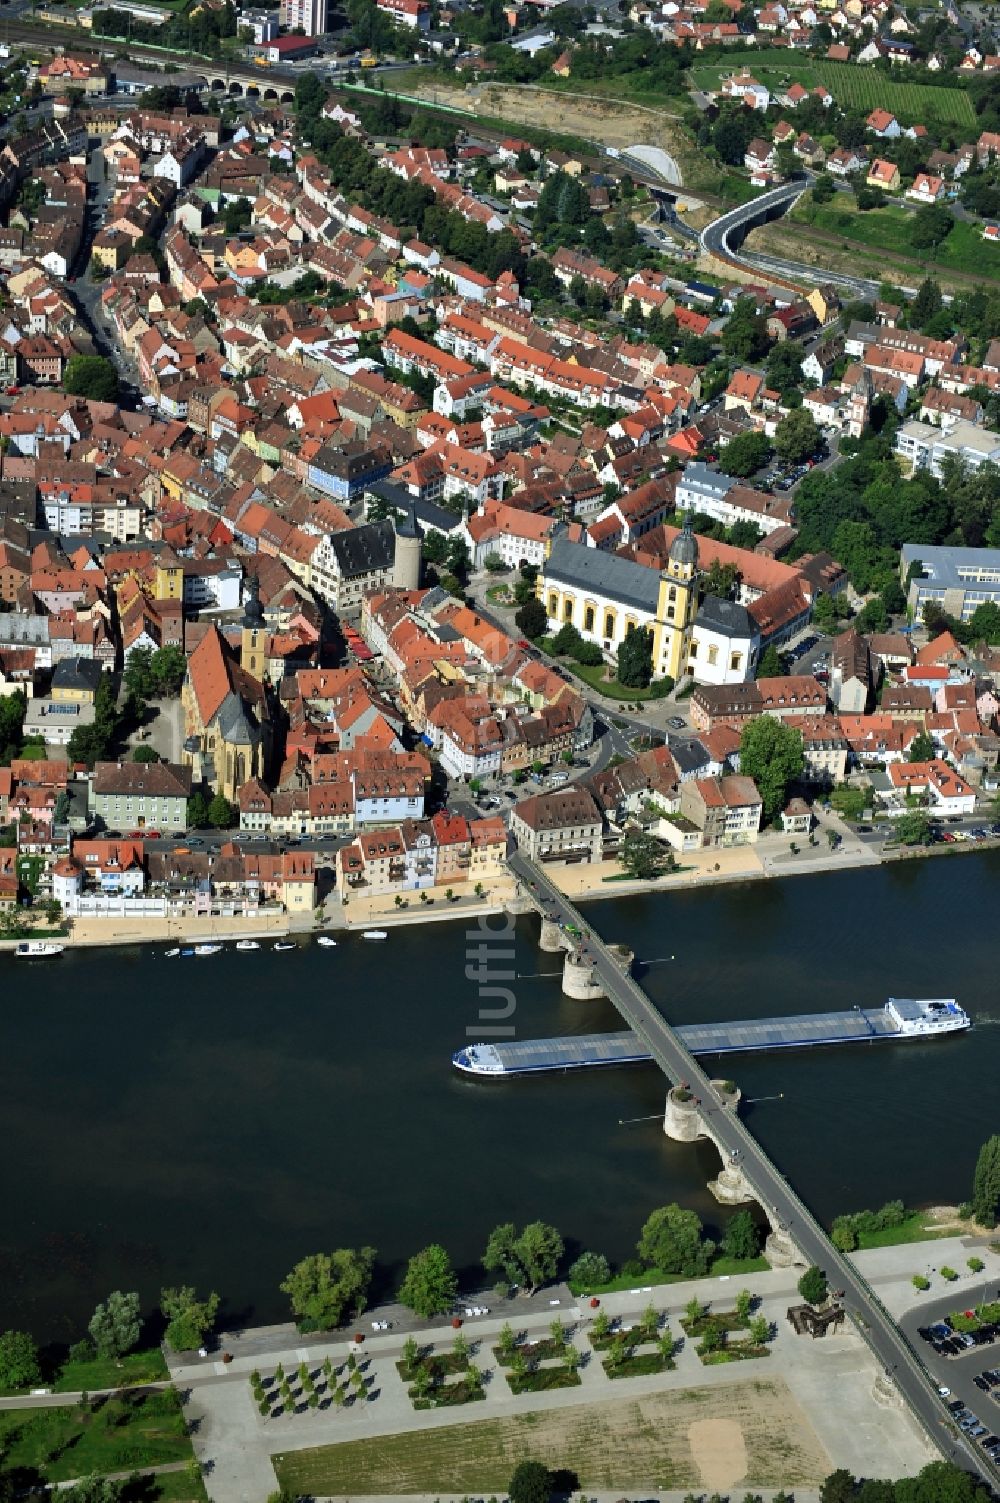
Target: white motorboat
[
  {"x": 169, "y": 954},
  {"x": 326, "y": 942},
  {"x": 280, "y": 946},
  {"x": 37, "y": 949},
  {"x": 247, "y": 944},
  {"x": 375, "y": 934},
  {"x": 207, "y": 949}
]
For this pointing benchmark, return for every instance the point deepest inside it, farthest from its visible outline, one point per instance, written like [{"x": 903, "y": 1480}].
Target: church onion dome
[{"x": 684, "y": 548}]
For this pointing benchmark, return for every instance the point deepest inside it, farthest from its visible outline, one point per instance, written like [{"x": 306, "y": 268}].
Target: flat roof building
[{"x": 956, "y": 579}]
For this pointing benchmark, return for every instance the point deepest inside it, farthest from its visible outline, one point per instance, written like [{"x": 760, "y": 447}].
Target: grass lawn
[
  {"x": 104, "y": 1372},
  {"x": 640, "y": 1365},
  {"x": 447, "y": 1396},
  {"x": 738, "y": 1352},
  {"x": 174, "y": 1487},
  {"x": 852, "y": 86},
  {"x": 916, "y": 1228},
  {"x": 542, "y": 1379},
  {"x": 888, "y": 229},
  {"x": 539, "y": 1351},
  {"x": 140, "y": 1430},
  {"x": 643, "y": 1441},
  {"x": 626, "y": 1281},
  {"x": 595, "y": 677},
  {"x": 727, "y": 1320}
]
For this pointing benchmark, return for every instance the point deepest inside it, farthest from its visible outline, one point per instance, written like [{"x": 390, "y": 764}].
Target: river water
[{"x": 211, "y": 1121}]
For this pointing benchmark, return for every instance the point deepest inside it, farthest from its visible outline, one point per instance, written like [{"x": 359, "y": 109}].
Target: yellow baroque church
[{"x": 602, "y": 595}]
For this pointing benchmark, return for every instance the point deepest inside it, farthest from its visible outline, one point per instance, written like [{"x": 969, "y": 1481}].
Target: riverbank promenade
[{"x": 823, "y": 1390}]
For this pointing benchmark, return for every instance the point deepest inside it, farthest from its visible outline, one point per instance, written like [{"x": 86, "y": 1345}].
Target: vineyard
[{"x": 852, "y": 86}]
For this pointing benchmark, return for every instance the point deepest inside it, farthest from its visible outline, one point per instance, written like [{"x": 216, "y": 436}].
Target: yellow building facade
[{"x": 603, "y": 596}]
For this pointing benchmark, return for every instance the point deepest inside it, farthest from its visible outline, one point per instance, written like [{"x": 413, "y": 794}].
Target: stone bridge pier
[{"x": 684, "y": 1122}]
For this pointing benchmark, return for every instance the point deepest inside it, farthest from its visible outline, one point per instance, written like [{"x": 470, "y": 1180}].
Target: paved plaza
[{"x": 831, "y": 1379}]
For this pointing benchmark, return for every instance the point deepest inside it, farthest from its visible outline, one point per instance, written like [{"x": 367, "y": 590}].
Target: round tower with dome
[{"x": 409, "y": 545}]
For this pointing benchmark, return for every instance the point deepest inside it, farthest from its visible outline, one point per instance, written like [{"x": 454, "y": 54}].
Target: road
[
  {"x": 736, "y": 225},
  {"x": 784, "y": 1208}
]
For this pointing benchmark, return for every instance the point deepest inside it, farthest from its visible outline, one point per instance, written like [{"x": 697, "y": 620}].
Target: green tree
[
  {"x": 530, "y": 1482},
  {"x": 760, "y": 1330},
  {"x": 929, "y": 226},
  {"x": 644, "y": 857},
  {"x": 532, "y": 619},
  {"x": 145, "y": 754},
  {"x": 813, "y": 1286},
  {"x": 921, "y": 748},
  {"x": 430, "y": 1285},
  {"x": 529, "y": 1258},
  {"x": 720, "y": 579},
  {"x": 913, "y": 827},
  {"x": 839, "y": 1487},
  {"x": 94, "y": 1489},
  {"x": 237, "y": 215},
  {"x": 797, "y": 436},
  {"x": 771, "y": 754},
  {"x": 927, "y": 303},
  {"x": 189, "y": 1319},
  {"x": 986, "y": 1183},
  {"x": 984, "y": 623},
  {"x": 635, "y": 658},
  {"x": 221, "y": 813},
  {"x": 671, "y": 1240},
  {"x": 741, "y": 1238},
  {"x": 850, "y": 802},
  {"x": 309, "y": 97},
  {"x": 590, "y": 1269},
  {"x": 197, "y": 812},
  {"x": 745, "y": 337},
  {"x": 784, "y": 366},
  {"x": 324, "y": 1288},
  {"x": 744, "y": 454},
  {"x": 18, "y": 1361},
  {"x": 168, "y": 669},
  {"x": 770, "y": 665},
  {"x": 91, "y": 376},
  {"x": 114, "y": 1326},
  {"x": 12, "y": 711}
]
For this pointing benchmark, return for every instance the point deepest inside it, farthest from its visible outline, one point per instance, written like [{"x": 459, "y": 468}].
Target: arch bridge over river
[{"x": 698, "y": 1107}]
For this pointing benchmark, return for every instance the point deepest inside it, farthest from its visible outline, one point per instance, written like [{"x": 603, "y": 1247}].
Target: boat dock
[{"x": 591, "y": 1050}]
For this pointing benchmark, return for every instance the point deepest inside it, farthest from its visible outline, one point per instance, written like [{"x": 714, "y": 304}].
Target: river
[{"x": 211, "y": 1121}]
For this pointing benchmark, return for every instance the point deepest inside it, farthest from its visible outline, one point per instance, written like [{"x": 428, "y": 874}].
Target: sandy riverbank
[{"x": 89, "y": 933}]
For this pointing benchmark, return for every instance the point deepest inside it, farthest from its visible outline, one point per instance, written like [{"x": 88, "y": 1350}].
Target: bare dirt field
[
  {"x": 738, "y": 1434},
  {"x": 719, "y": 1452},
  {"x": 605, "y": 121}
]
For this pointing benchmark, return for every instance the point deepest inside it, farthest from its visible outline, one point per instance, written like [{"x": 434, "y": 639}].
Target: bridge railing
[{"x": 635, "y": 1010}]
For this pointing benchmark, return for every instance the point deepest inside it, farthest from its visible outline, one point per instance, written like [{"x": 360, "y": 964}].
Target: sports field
[{"x": 853, "y": 86}]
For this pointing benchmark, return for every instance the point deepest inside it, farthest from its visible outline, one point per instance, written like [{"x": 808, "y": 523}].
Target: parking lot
[{"x": 966, "y": 1366}]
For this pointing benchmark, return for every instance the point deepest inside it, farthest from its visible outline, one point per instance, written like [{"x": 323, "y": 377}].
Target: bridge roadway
[
  {"x": 738, "y": 222},
  {"x": 783, "y": 1207}
]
